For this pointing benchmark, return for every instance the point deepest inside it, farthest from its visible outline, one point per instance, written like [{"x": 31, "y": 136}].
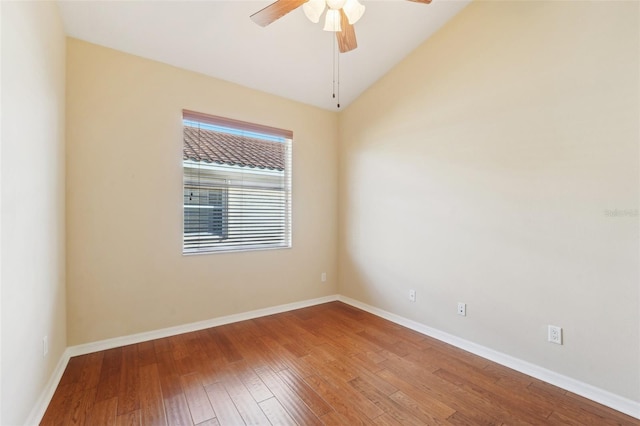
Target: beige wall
[
  {"x": 126, "y": 272},
  {"x": 480, "y": 170},
  {"x": 33, "y": 220}
]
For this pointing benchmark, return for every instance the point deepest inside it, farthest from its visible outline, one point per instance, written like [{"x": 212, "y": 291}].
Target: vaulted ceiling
[{"x": 292, "y": 57}]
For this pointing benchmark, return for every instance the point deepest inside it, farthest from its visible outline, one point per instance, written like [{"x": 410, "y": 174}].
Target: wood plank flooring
[{"x": 329, "y": 364}]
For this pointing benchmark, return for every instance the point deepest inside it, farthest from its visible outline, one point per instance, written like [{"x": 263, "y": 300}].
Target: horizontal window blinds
[{"x": 236, "y": 185}]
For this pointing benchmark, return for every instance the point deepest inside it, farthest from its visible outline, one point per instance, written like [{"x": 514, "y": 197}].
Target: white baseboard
[
  {"x": 593, "y": 393},
  {"x": 35, "y": 417},
  {"x": 601, "y": 396},
  {"x": 194, "y": 326}
]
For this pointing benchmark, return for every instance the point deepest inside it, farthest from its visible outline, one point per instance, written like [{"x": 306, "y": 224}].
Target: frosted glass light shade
[
  {"x": 332, "y": 21},
  {"x": 313, "y": 9},
  {"x": 354, "y": 11}
]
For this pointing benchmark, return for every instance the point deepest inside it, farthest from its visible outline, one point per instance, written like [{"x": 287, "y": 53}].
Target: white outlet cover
[
  {"x": 555, "y": 334},
  {"x": 462, "y": 309}
]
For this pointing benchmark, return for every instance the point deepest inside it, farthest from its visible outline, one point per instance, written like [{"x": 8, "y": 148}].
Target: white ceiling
[{"x": 292, "y": 57}]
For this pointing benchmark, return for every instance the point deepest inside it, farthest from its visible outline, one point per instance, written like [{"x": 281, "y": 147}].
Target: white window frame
[{"x": 272, "y": 235}]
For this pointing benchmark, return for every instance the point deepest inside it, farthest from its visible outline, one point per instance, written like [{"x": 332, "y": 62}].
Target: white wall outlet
[
  {"x": 555, "y": 334},
  {"x": 323, "y": 277},
  {"x": 412, "y": 295},
  {"x": 462, "y": 309},
  {"x": 45, "y": 346}
]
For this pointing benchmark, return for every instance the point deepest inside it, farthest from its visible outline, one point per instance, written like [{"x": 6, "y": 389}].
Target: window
[{"x": 236, "y": 185}]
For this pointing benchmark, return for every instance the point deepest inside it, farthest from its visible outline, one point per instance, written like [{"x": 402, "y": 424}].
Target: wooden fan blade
[
  {"x": 275, "y": 11},
  {"x": 347, "y": 37},
  {"x": 421, "y": 1}
]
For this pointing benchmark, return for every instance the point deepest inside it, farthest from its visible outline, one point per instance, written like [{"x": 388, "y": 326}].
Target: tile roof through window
[{"x": 234, "y": 150}]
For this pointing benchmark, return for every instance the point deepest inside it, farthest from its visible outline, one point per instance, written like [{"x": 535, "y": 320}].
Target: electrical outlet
[
  {"x": 412, "y": 295},
  {"x": 45, "y": 346},
  {"x": 462, "y": 309},
  {"x": 555, "y": 334},
  {"x": 323, "y": 277}
]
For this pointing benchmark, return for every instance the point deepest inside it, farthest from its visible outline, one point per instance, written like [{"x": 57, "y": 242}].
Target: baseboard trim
[
  {"x": 35, "y": 417},
  {"x": 601, "y": 396},
  {"x": 194, "y": 326},
  {"x": 593, "y": 393}
]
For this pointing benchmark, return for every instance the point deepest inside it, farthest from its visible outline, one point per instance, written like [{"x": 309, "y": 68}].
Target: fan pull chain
[
  {"x": 335, "y": 41},
  {"x": 333, "y": 57},
  {"x": 338, "y": 55}
]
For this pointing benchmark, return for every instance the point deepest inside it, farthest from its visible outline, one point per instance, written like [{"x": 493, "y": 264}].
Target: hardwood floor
[{"x": 328, "y": 364}]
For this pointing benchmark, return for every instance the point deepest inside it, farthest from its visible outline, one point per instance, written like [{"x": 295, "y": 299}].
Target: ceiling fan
[{"x": 340, "y": 16}]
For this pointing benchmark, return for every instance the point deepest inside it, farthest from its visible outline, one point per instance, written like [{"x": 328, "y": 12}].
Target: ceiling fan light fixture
[
  {"x": 336, "y": 4},
  {"x": 313, "y": 9},
  {"x": 332, "y": 21},
  {"x": 354, "y": 10}
]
